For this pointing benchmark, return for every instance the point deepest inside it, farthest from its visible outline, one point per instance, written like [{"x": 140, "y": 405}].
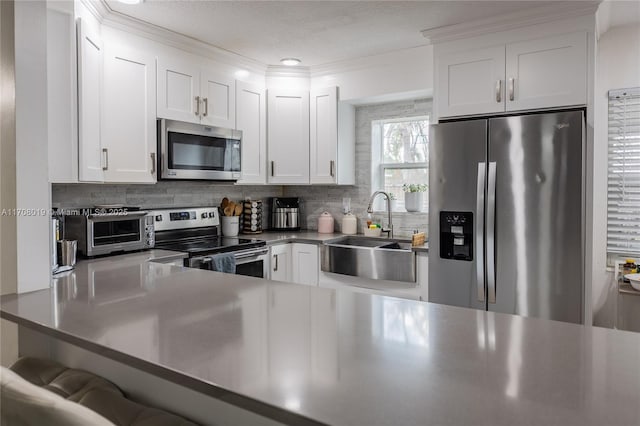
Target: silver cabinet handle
[
  {"x": 105, "y": 154},
  {"x": 491, "y": 233},
  {"x": 512, "y": 88},
  {"x": 275, "y": 257},
  {"x": 206, "y": 107},
  {"x": 332, "y": 168},
  {"x": 197, "y": 105},
  {"x": 479, "y": 228},
  {"x": 153, "y": 163},
  {"x": 273, "y": 166},
  {"x": 499, "y": 91}
]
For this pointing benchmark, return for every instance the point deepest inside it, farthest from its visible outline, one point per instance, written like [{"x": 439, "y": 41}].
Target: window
[
  {"x": 623, "y": 194},
  {"x": 400, "y": 155}
]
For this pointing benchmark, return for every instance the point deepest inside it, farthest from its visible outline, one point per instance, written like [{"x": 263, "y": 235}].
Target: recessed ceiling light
[
  {"x": 131, "y": 1},
  {"x": 290, "y": 62},
  {"x": 242, "y": 74}
]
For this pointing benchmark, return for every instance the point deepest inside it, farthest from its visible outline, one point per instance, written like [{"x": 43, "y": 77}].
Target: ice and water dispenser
[{"x": 456, "y": 235}]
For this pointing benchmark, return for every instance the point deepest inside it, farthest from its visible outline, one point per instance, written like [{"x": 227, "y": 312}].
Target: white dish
[{"x": 634, "y": 279}]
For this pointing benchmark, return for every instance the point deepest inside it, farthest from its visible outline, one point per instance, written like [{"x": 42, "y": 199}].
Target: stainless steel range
[{"x": 196, "y": 231}]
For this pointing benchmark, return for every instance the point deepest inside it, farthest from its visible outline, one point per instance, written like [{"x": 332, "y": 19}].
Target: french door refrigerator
[{"x": 506, "y": 219}]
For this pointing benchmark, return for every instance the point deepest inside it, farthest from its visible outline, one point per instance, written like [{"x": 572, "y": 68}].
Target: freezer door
[
  {"x": 457, "y": 186},
  {"x": 537, "y": 240}
]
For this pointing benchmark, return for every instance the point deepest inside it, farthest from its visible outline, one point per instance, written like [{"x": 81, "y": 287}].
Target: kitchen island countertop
[{"x": 338, "y": 357}]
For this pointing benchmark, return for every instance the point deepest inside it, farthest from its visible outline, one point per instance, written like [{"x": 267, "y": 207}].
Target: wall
[
  {"x": 8, "y": 261},
  {"x": 617, "y": 67},
  {"x": 317, "y": 199},
  {"x": 161, "y": 195},
  {"x": 376, "y": 78}
]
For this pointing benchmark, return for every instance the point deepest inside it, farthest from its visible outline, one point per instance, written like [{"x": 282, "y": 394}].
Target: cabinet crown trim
[{"x": 509, "y": 21}]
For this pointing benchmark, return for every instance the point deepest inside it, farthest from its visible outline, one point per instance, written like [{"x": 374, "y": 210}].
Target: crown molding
[
  {"x": 285, "y": 71},
  {"x": 510, "y": 21},
  {"x": 107, "y": 16}
]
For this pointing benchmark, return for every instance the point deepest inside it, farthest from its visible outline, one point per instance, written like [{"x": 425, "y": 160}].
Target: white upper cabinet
[
  {"x": 323, "y": 136},
  {"x": 251, "y": 119},
  {"x": 62, "y": 86},
  {"x": 91, "y": 156},
  {"x": 547, "y": 72},
  {"x": 129, "y": 115},
  {"x": 542, "y": 73},
  {"x": 189, "y": 91},
  {"x": 471, "y": 82},
  {"x": 331, "y": 139},
  {"x": 218, "y": 99},
  {"x": 178, "y": 90},
  {"x": 288, "y": 136}
]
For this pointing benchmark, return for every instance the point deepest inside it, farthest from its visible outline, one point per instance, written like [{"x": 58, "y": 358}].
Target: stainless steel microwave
[{"x": 196, "y": 151}]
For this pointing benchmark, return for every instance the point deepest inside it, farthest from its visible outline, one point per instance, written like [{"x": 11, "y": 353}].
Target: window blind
[{"x": 623, "y": 193}]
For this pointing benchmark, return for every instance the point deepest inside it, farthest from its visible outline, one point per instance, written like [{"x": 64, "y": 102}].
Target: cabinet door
[
  {"x": 323, "y": 135},
  {"x": 179, "y": 90},
  {"x": 304, "y": 258},
  {"x": 281, "y": 262},
  {"x": 89, "y": 88},
  {"x": 129, "y": 115},
  {"x": 470, "y": 82},
  {"x": 251, "y": 119},
  {"x": 288, "y": 136},
  {"x": 547, "y": 72},
  {"x": 217, "y": 94},
  {"x": 62, "y": 95}
]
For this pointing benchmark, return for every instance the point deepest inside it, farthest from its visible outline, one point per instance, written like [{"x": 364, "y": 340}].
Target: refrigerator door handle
[
  {"x": 479, "y": 231},
  {"x": 491, "y": 234}
]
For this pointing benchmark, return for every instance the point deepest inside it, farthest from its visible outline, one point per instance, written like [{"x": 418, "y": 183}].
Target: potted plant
[{"x": 414, "y": 196}]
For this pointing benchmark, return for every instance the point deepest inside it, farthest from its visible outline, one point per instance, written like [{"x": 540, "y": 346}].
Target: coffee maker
[{"x": 285, "y": 213}]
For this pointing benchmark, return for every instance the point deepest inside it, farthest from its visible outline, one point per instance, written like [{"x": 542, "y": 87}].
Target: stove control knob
[
  {"x": 204, "y": 215},
  {"x": 159, "y": 218},
  {"x": 212, "y": 214}
]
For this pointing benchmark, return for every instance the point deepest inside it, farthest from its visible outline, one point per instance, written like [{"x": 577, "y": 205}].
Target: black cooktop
[{"x": 211, "y": 245}]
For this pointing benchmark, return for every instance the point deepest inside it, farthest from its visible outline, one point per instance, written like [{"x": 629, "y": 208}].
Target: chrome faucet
[{"x": 370, "y": 210}]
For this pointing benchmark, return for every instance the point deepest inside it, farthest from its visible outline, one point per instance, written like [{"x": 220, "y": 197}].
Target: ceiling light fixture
[
  {"x": 242, "y": 73},
  {"x": 131, "y": 1},
  {"x": 290, "y": 62}
]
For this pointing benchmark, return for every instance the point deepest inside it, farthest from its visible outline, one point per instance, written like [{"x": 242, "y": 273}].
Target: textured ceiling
[{"x": 318, "y": 32}]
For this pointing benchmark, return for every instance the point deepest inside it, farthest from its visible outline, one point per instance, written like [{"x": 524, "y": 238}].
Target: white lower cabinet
[
  {"x": 281, "y": 262},
  {"x": 305, "y": 264}
]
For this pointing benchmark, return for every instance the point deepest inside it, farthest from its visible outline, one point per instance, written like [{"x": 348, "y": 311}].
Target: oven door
[
  {"x": 194, "y": 151},
  {"x": 251, "y": 262}
]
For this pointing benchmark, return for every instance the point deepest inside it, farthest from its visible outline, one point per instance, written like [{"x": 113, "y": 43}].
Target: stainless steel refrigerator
[{"x": 506, "y": 222}]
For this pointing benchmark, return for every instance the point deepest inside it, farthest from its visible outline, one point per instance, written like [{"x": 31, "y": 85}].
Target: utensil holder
[{"x": 230, "y": 226}]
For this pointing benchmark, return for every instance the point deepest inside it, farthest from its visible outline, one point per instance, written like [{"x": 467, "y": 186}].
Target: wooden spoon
[
  {"x": 224, "y": 203},
  {"x": 228, "y": 211},
  {"x": 238, "y": 210}
]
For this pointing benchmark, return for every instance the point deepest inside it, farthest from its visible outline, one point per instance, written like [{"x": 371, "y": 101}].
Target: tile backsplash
[{"x": 315, "y": 199}]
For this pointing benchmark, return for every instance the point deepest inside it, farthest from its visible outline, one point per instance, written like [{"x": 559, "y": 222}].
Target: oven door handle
[{"x": 251, "y": 254}]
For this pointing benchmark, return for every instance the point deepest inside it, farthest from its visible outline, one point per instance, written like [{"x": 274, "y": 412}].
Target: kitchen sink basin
[{"x": 374, "y": 258}]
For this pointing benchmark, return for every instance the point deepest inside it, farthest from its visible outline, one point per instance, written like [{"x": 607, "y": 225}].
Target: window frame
[{"x": 378, "y": 167}]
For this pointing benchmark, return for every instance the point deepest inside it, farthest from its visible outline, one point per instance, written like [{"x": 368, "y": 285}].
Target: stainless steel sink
[{"x": 374, "y": 258}]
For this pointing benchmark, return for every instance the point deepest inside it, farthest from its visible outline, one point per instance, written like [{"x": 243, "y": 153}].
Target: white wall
[
  {"x": 33, "y": 191},
  {"x": 405, "y": 74},
  {"x": 617, "y": 67}
]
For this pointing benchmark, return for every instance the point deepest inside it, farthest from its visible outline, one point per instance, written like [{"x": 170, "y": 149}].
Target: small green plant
[
  {"x": 414, "y": 187},
  {"x": 392, "y": 196}
]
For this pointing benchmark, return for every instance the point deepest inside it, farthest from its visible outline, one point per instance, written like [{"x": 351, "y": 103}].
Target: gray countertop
[
  {"x": 311, "y": 237},
  {"x": 335, "y": 356}
]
